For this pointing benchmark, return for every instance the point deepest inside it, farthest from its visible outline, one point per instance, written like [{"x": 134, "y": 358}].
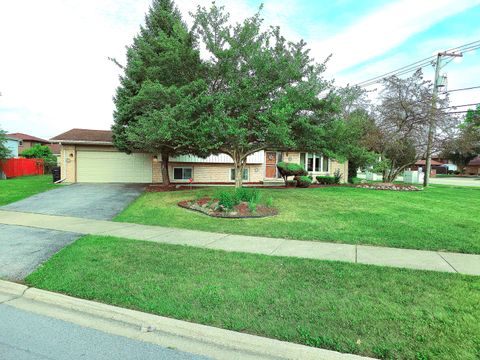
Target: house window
[
  {"x": 182, "y": 173},
  {"x": 245, "y": 174},
  {"x": 314, "y": 162}
]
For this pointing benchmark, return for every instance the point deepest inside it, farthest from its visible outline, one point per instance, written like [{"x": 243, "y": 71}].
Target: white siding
[{"x": 256, "y": 158}]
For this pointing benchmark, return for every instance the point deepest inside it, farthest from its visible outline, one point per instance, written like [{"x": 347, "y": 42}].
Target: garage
[{"x": 113, "y": 166}]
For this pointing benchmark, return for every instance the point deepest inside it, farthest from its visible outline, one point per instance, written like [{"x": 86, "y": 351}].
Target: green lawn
[
  {"x": 439, "y": 218},
  {"x": 15, "y": 189},
  {"x": 381, "y": 312}
]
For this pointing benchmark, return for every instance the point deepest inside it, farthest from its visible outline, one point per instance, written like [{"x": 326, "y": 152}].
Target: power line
[
  {"x": 457, "y": 106},
  {"x": 461, "y": 89},
  {"x": 419, "y": 64}
]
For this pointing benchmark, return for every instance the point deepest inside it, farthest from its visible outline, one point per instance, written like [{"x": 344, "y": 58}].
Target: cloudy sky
[{"x": 55, "y": 75}]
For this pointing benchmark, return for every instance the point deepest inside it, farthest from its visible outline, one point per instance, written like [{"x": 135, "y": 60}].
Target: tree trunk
[
  {"x": 352, "y": 171},
  {"x": 164, "y": 167},
  {"x": 239, "y": 164}
]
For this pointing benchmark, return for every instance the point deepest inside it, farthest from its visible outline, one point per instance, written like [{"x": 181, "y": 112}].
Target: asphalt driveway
[
  {"x": 23, "y": 249},
  {"x": 91, "y": 201}
]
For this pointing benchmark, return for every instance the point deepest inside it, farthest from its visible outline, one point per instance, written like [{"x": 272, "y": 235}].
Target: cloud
[
  {"x": 384, "y": 29},
  {"x": 55, "y": 75}
]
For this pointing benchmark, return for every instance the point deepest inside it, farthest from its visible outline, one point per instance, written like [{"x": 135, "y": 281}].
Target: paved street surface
[
  {"x": 456, "y": 181},
  {"x": 27, "y": 336},
  {"x": 90, "y": 201},
  {"x": 383, "y": 256},
  {"x": 22, "y": 249}
]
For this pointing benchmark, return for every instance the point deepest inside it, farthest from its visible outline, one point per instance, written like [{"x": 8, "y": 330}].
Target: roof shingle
[
  {"x": 26, "y": 137},
  {"x": 85, "y": 135}
]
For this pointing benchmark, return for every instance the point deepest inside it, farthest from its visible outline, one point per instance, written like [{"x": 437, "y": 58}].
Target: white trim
[{"x": 313, "y": 171}]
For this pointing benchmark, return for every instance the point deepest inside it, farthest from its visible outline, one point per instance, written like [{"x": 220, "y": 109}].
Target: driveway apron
[{"x": 23, "y": 249}]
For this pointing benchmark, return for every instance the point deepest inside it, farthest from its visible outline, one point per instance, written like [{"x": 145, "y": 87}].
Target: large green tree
[
  {"x": 155, "y": 102},
  {"x": 264, "y": 92},
  {"x": 465, "y": 145}
]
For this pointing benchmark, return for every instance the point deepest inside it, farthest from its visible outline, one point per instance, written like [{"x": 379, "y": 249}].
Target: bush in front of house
[
  {"x": 325, "y": 179},
  {"x": 230, "y": 198},
  {"x": 338, "y": 176},
  {"x": 303, "y": 181},
  {"x": 290, "y": 169}
]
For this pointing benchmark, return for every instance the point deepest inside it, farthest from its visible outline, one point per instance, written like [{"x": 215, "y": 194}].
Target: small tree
[
  {"x": 465, "y": 145},
  {"x": 290, "y": 169},
  {"x": 5, "y": 152},
  {"x": 263, "y": 91},
  {"x": 41, "y": 152},
  {"x": 401, "y": 123},
  {"x": 155, "y": 106}
]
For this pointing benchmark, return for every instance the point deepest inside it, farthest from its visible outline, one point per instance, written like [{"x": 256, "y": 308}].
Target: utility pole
[{"x": 433, "y": 114}]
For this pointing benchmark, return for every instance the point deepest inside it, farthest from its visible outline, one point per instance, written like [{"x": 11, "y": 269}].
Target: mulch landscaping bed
[
  {"x": 210, "y": 207},
  {"x": 161, "y": 188},
  {"x": 387, "y": 186}
]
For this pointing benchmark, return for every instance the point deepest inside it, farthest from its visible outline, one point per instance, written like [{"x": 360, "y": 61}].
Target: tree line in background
[{"x": 253, "y": 90}]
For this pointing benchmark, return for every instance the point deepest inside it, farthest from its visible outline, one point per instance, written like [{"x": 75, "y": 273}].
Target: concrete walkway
[
  {"x": 383, "y": 256},
  {"x": 161, "y": 331}
]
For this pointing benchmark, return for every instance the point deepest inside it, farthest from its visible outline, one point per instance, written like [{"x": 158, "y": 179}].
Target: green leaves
[{"x": 4, "y": 151}]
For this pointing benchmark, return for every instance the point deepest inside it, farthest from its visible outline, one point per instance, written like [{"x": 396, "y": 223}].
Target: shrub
[
  {"x": 252, "y": 206},
  {"x": 248, "y": 194},
  {"x": 338, "y": 176},
  {"x": 355, "y": 180},
  {"x": 290, "y": 169},
  {"x": 41, "y": 152},
  {"x": 303, "y": 181},
  {"x": 269, "y": 202},
  {"x": 292, "y": 182},
  {"x": 325, "y": 180},
  {"x": 227, "y": 199}
]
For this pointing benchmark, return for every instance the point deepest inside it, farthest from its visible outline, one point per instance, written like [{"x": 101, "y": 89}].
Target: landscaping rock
[{"x": 387, "y": 186}]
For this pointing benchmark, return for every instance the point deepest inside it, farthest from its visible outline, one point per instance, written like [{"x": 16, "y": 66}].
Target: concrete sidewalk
[
  {"x": 383, "y": 256},
  {"x": 168, "y": 333}
]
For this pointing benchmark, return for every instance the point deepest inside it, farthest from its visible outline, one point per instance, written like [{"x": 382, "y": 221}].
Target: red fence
[{"x": 22, "y": 167}]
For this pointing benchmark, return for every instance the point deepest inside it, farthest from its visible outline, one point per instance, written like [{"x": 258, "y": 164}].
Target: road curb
[{"x": 180, "y": 335}]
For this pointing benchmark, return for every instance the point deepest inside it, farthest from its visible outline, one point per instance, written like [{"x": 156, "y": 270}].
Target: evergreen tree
[{"x": 153, "y": 102}]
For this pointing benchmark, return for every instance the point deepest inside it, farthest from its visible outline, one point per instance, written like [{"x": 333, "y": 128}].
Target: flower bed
[
  {"x": 212, "y": 207},
  {"x": 387, "y": 186}
]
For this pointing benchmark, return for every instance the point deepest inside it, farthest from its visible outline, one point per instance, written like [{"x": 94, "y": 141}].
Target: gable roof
[
  {"x": 423, "y": 162},
  {"x": 475, "y": 161},
  {"x": 26, "y": 137},
  {"x": 75, "y": 136}
]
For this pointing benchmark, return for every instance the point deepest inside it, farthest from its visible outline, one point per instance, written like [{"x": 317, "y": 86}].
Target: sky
[{"x": 55, "y": 74}]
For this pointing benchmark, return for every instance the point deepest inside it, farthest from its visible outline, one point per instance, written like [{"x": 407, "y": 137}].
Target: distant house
[
  {"x": 89, "y": 156},
  {"x": 437, "y": 166},
  {"x": 473, "y": 167},
  {"x": 12, "y": 144},
  {"x": 27, "y": 141}
]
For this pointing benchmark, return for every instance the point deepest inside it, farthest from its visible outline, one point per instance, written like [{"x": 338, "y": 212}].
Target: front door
[{"x": 271, "y": 164}]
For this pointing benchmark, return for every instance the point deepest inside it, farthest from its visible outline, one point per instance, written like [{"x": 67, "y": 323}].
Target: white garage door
[{"x": 110, "y": 166}]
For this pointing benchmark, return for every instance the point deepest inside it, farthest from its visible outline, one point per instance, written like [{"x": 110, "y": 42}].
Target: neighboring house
[
  {"x": 473, "y": 167},
  {"x": 437, "y": 166},
  {"x": 89, "y": 156},
  {"x": 27, "y": 141},
  {"x": 12, "y": 144}
]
